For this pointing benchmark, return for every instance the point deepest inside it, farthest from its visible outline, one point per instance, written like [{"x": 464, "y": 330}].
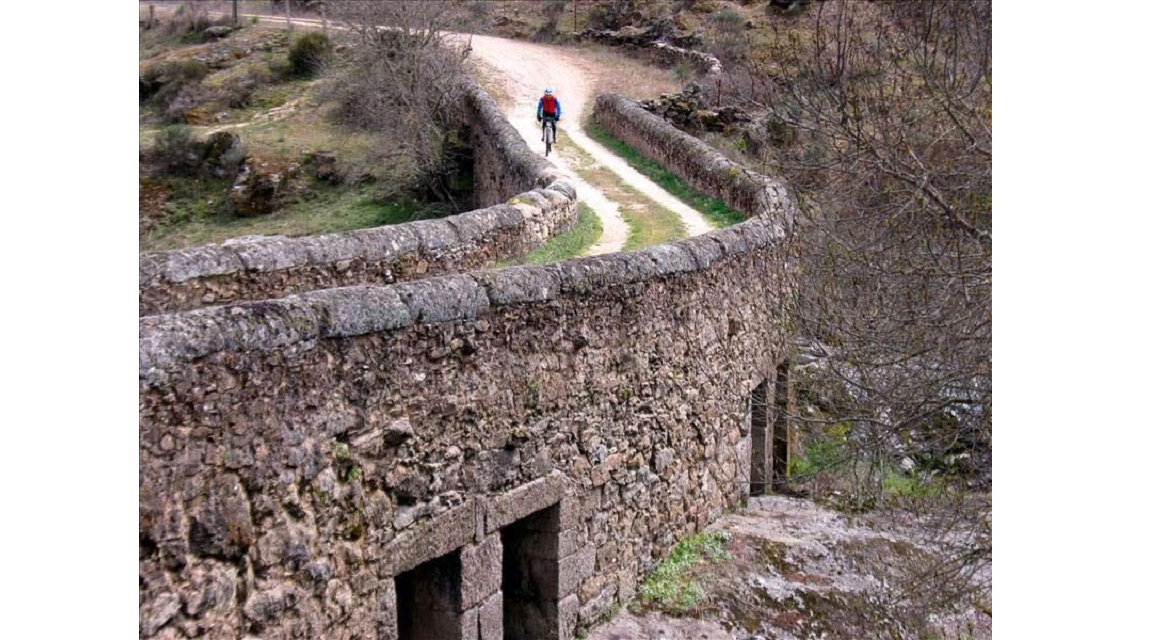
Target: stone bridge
[{"x": 376, "y": 434}]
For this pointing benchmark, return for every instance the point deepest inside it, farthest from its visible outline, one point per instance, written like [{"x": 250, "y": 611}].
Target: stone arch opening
[
  {"x": 531, "y": 576},
  {"x": 768, "y": 417},
  {"x": 759, "y": 479},
  {"x": 428, "y": 599}
]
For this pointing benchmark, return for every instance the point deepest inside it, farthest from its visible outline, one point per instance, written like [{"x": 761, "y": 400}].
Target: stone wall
[
  {"x": 527, "y": 202},
  {"x": 480, "y": 455},
  {"x": 698, "y": 164},
  {"x": 309, "y": 462}
]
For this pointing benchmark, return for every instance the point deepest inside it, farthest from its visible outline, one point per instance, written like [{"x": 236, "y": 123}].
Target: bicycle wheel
[{"x": 549, "y": 137}]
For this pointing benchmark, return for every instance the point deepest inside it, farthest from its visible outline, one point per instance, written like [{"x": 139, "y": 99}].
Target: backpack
[{"x": 550, "y": 105}]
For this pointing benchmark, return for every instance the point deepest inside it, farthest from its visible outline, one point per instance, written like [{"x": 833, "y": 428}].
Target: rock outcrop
[
  {"x": 262, "y": 186},
  {"x": 687, "y": 111}
]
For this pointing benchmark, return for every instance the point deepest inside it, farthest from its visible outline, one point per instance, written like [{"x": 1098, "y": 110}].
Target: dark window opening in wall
[
  {"x": 759, "y": 478},
  {"x": 428, "y": 600},
  {"x": 780, "y": 448},
  {"x": 531, "y": 576}
]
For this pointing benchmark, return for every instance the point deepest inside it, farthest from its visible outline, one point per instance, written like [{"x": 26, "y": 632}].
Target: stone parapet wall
[
  {"x": 701, "y": 166},
  {"x": 528, "y": 201},
  {"x": 504, "y": 165},
  {"x": 299, "y": 456}
]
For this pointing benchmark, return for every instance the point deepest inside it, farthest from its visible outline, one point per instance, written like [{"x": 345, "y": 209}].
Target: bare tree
[
  {"x": 552, "y": 11},
  {"x": 880, "y": 113},
  {"x": 405, "y": 85}
]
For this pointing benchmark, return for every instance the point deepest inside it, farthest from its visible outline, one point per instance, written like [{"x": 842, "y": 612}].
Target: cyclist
[{"x": 548, "y": 107}]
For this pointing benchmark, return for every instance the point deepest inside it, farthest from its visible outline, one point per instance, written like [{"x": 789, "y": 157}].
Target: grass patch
[
  {"x": 648, "y": 223},
  {"x": 672, "y": 587},
  {"x": 570, "y": 244},
  {"x": 718, "y": 213},
  {"x": 195, "y": 214},
  {"x": 646, "y": 229}
]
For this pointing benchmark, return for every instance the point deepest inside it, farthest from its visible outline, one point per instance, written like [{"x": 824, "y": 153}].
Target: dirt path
[{"x": 527, "y": 68}]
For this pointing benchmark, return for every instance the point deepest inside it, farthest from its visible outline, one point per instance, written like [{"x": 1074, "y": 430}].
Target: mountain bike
[{"x": 549, "y": 134}]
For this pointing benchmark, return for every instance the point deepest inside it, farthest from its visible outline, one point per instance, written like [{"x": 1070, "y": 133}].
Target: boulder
[
  {"x": 262, "y": 186},
  {"x": 219, "y": 31},
  {"x": 324, "y": 166},
  {"x": 223, "y": 154}
]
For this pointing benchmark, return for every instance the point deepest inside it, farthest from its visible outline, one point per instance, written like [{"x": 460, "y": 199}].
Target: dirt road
[{"x": 527, "y": 68}]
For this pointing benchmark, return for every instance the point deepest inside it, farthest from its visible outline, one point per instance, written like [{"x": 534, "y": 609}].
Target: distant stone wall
[
  {"x": 305, "y": 461},
  {"x": 698, "y": 164},
  {"x": 527, "y": 202}
]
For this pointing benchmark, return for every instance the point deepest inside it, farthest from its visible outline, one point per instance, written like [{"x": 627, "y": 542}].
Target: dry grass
[{"x": 626, "y": 76}]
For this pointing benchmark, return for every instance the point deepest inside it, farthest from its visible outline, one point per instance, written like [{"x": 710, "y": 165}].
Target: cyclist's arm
[
  {"x": 557, "y": 108},
  {"x": 540, "y": 108}
]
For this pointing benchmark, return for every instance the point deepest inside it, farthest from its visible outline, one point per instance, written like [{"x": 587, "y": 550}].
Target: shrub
[
  {"x": 405, "y": 87},
  {"x": 163, "y": 82},
  {"x": 190, "y": 20},
  {"x": 176, "y": 151},
  {"x": 788, "y": 7},
  {"x": 549, "y": 31},
  {"x": 612, "y": 14},
  {"x": 308, "y": 54}
]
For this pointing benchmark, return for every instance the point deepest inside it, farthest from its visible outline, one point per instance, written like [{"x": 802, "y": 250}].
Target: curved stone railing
[
  {"x": 698, "y": 164},
  {"x": 530, "y": 201}
]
